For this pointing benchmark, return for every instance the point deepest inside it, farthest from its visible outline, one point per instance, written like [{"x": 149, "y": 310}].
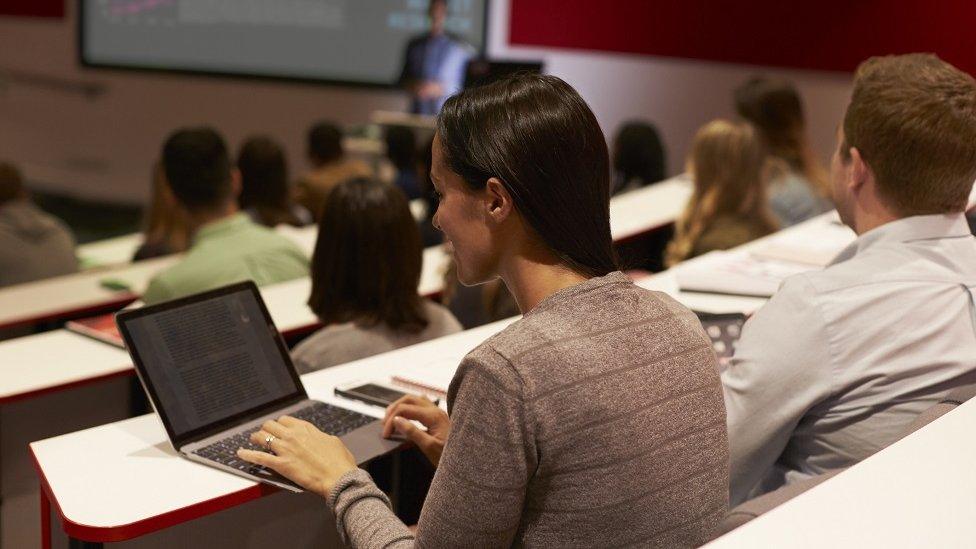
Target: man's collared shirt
[
  {"x": 227, "y": 251},
  {"x": 841, "y": 361}
]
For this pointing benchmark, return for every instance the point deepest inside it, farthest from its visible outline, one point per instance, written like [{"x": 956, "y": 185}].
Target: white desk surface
[
  {"x": 112, "y": 476},
  {"x": 36, "y": 363},
  {"x": 641, "y": 210},
  {"x": 918, "y": 492},
  {"x": 109, "y": 252},
  {"x": 54, "y": 297}
]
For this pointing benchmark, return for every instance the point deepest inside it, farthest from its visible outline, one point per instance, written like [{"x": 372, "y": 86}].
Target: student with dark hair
[
  {"x": 401, "y": 151},
  {"x": 638, "y": 157},
  {"x": 596, "y": 419},
  {"x": 330, "y": 166},
  {"x": 226, "y": 246},
  {"x": 429, "y": 234},
  {"x": 798, "y": 187},
  {"x": 265, "y": 196},
  {"x": 841, "y": 360},
  {"x": 365, "y": 272},
  {"x": 33, "y": 243}
]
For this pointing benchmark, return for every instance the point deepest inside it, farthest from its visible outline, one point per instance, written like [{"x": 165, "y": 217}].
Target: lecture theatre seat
[{"x": 753, "y": 508}]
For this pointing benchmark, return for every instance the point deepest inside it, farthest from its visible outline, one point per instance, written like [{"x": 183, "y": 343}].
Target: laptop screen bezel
[{"x": 124, "y": 317}]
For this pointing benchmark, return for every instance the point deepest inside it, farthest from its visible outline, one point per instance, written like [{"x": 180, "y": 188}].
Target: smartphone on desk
[{"x": 371, "y": 393}]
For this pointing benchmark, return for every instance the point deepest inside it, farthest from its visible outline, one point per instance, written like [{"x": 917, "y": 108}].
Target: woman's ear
[{"x": 498, "y": 201}]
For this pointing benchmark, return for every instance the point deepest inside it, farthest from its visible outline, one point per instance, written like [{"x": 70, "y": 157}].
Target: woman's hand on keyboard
[
  {"x": 303, "y": 454},
  {"x": 431, "y": 442}
]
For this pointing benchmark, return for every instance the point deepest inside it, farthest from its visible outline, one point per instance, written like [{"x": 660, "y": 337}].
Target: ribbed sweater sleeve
[{"x": 363, "y": 515}]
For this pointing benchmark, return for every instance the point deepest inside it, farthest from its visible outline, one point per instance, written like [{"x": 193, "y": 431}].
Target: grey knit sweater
[{"x": 597, "y": 420}]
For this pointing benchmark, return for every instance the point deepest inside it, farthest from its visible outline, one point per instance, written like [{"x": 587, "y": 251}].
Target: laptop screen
[{"x": 209, "y": 358}]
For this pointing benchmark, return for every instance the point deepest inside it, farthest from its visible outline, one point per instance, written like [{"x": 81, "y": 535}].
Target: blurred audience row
[{"x": 750, "y": 178}]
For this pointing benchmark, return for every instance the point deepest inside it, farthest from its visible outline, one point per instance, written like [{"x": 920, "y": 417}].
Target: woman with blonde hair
[{"x": 728, "y": 206}]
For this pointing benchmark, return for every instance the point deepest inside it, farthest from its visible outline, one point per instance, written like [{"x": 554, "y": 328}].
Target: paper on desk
[
  {"x": 817, "y": 247},
  {"x": 736, "y": 273}
]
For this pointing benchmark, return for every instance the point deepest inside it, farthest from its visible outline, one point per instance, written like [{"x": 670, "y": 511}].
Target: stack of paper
[
  {"x": 736, "y": 273},
  {"x": 817, "y": 247}
]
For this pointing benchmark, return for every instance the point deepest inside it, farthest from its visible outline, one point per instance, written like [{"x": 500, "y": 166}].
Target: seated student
[
  {"x": 596, "y": 419},
  {"x": 728, "y": 206},
  {"x": 798, "y": 187},
  {"x": 365, "y": 273},
  {"x": 165, "y": 226},
  {"x": 33, "y": 244},
  {"x": 265, "y": 196},
  {"x": 429, "y": 234},
  {"x": 330, "y": 166},
  {"x": 638, "y": 157},
  {"x": 401, "y": 152},
  {"x": 840, "y": 361},
  {"x": 226, "y": 245}
]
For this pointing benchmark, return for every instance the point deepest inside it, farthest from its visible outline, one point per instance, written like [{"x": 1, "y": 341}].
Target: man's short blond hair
[{"x": 913, "y": 120}]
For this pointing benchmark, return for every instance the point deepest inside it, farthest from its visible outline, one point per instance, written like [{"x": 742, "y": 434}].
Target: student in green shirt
[{"x": 226, "y": 245}]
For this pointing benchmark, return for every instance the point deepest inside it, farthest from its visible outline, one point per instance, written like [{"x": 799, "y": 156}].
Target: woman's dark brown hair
[
  {"x": 264, "y": 182},
  {"x": 538, "y": 136},
  {"x": 367, "y": 260},
  {"x": 774, "y": 107}
]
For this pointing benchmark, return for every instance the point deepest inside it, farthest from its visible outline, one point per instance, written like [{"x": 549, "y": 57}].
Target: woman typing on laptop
[{"x": 597, "y": 418}]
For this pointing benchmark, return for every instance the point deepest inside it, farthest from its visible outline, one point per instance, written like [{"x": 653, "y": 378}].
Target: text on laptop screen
[{"x": 210, "y": 360}]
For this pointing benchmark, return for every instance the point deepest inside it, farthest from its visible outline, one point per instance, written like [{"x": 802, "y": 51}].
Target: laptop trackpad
[{"x": 367, "y": 442}]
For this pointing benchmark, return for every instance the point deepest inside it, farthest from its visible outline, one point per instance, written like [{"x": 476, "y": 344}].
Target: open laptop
[{"x": 215, "y": 368}]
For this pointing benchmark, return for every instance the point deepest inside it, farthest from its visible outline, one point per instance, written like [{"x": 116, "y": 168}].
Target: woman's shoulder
[
  {"x": 332, "y": 345},
  {"x": 593, "y": 329},
  {"x": 440, "y": 319}
]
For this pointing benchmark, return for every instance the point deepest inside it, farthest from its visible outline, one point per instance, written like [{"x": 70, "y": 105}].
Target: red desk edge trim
[
  {"x": 119, "y": 301},
  {"x": 123, "y": 532}
]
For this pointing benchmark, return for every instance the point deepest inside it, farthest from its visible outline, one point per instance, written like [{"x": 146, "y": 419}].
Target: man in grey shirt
[
  {"x": 840, "y": 361},
  {"x": 33, "y": 244}
]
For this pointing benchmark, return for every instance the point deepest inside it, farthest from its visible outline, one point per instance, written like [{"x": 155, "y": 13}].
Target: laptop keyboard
[{"x": 329, "y": 419}]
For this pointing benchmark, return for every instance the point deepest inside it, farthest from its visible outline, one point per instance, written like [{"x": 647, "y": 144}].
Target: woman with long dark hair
[
  {"x": 798, "y": 186},
  {"x": 365, "y": 272},
  {"x": 265, "y": 195},
  {"x": 597, "y": 419}
]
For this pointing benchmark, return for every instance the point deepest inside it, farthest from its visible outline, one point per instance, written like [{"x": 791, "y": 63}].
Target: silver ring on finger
[{"x": 268, "y": 441}]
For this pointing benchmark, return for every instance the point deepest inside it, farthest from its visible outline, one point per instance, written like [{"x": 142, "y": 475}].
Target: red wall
[
  {"x": 32, "y": 8},
  {"x": 827, "y": 35}
]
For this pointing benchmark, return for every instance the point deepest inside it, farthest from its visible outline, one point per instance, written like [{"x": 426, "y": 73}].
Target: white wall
[{"x": 103, "y": 148}]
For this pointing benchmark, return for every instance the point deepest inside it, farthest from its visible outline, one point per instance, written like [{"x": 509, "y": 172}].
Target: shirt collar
[
  {"x": 908, "y": 229},
  {"x": 220, "y": 227}
]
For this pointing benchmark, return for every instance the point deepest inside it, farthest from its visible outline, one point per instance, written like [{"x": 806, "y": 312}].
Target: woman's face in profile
[{"x": 461, "y": 216}]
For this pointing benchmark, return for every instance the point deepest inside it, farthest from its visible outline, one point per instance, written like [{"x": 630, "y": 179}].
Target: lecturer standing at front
[{"x": 434, "y": 64}]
